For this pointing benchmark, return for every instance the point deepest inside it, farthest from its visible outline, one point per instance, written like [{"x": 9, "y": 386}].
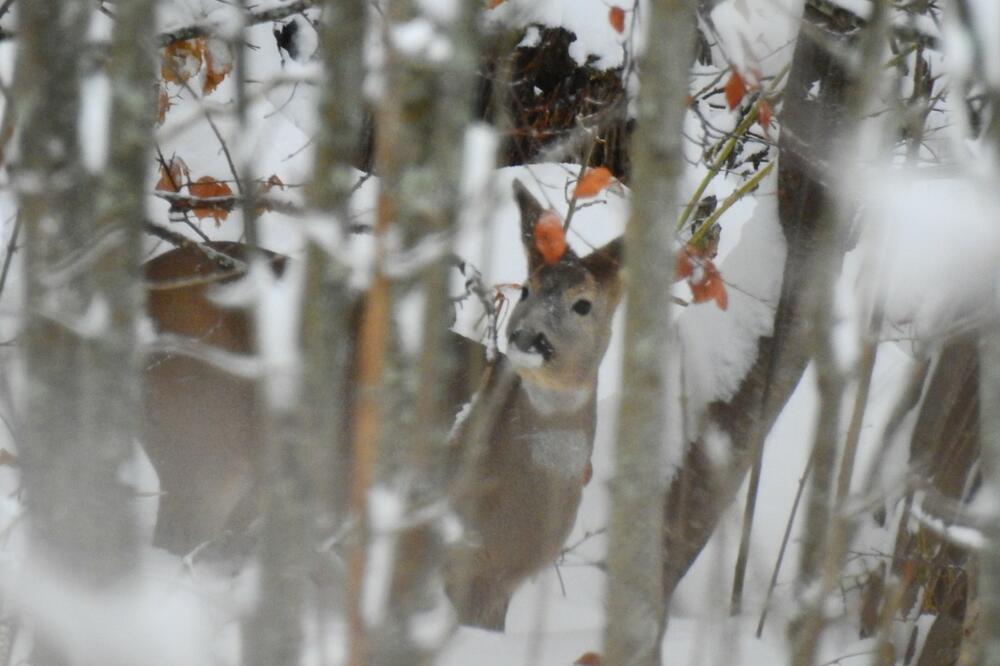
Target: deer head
[{"x": 559, "y": 329}]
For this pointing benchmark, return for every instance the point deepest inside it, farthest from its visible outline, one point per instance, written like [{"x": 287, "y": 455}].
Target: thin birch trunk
[
  {"x": 328, "y": 305},
  {"x": 988, "y": 595},
  {"x": 273, "y": 634},
  {"x": 988, "y": 633},
  {"x": 635, "y": 605},
  {"x": 421, "y": 122},
  {"x": 827, "y": 534},
  {"x": 328, "y": 338},
  {"x": 82, "y": 295}
]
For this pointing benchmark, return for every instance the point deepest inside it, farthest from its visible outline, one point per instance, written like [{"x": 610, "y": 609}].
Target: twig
[
  {"x": 222, "y": 141},
  {"x": 252, "y": 18},
  {"x": 5, "y": 7},
  {"x": 182, "y": 241},
  {"x": 868, "y": 355},
  {"x": 165, "y": 168},
  {"x": 227, "y": 202},
  {"x": 784, "y": 541},
  {"x": 743, "y": 554},
  {"x": 583, "y": 169},
  {"x": 730, "y": 145},
  {"x": 587, "y": 536},
  {"x": 838, "y": 660},
  {"x": 728, "y": 202},
  {"x": 720, "y": 160},
  {"x": 11, "y": 249}
]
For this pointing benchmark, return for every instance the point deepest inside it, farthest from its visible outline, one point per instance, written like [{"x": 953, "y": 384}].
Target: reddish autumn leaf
[
  {"x": 764, "y": 113},
  {"x": 163, "y": 105},
  {"x": 703, "y": 277},
  {"x": 616, "y": 17},
  {"x": 683, "y": 264},
  {"x": 493, "y": 4},
  {"x": 588, "y": 473},
  {"x": 182, "y": 60},
  {"x": 173, "y": 175},
  {"x": 208, "y": 187},
  {"x": 218, "y": 63},
  {"x": 736, "y": 88},
  {"x": 550, "y": 240},
  {"x": 589, "y": 659},
  {"x": 720, "y": 295},
  {"x": 592, "y": 182},
  {"x": 707, "y": 285}
]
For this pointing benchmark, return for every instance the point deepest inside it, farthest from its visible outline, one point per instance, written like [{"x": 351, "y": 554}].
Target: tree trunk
[
  {"x": 635, "y": 605},
  {"x": 401, "y": 412},
  {"x": 989, "y": 566},
  {"x": 83, "y": 298},
  {"x": 989, "y": 401}
]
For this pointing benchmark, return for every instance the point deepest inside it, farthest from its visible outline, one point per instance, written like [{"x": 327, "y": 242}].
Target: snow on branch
[{"x": 252, "y": 18}]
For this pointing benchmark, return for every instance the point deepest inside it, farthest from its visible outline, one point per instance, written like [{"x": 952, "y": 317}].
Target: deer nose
[
  {"x": 521, "y": 339},
  {"x": 531, "y": 342}
]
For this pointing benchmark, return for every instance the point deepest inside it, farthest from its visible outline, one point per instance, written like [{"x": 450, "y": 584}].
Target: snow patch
[{"x": 718, "y": 347}]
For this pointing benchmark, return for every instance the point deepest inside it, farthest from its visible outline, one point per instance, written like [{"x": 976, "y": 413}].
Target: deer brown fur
[{"x": 529, "y": 479}]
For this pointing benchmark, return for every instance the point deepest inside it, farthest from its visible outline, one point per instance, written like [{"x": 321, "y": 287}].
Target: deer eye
[
  {"x": 582, "y": 306},
  {"x": 524, "y": 292}
]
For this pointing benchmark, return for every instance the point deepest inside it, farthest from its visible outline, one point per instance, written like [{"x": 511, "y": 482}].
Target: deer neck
[
  {"x": 558, "y": 401},
  {"x": 560, "y": 430}
]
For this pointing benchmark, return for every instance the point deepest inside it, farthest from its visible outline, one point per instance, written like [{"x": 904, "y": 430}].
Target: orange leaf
[
  {"x": 218, "y": 63},
  {"x": 493, "y": 4},
  {"x": 764, "y": 113},
  {"x": 588, "y": 473},
  {"x": 163, "y": 105},
  {"x": 616, "y": 17},
  {"x": 182, "y": 60},
  {"x": 173, "y": 174},
  {"x": 206, "y": 187},
  {"x": 589, "y": 659},
  {"x": 550, "y": 240},
  {"x": 592, "y": 182},
  {"x": 706, "y": 284},
  {"x": 683, "y": 265},
  {"x": 736, "y": 88},
  {"x": 720, "y": 295}
]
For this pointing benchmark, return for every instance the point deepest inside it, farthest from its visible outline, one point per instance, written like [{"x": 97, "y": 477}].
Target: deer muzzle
[{"x": 531, "y": 342}]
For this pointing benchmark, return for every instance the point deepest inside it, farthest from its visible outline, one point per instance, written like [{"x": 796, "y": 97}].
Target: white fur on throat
[
  {"x": 552, "y": 401},
  {"x": 561, "y": 452},
  {"x": 522, "y": 359}
]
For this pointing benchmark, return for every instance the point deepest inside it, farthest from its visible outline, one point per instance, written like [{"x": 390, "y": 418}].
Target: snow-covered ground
[{"x": 928, "y": 245}]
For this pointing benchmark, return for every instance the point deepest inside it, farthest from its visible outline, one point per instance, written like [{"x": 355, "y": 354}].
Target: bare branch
[{"x": 252, "y": 18}]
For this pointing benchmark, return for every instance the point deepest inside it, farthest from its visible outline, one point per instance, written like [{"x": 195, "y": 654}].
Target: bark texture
[
  {"x": 83, "y": 295},
  {"x": 635, "y": 606},
  {"x": 401, "y": 412}
]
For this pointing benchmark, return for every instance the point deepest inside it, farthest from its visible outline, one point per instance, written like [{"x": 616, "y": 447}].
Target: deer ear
[
  {"x": 531, "y": 212},
  {"x": 605, "y": 263}
]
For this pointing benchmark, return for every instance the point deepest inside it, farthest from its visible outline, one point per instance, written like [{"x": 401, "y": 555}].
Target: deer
[{"x": 520, "y": 452}]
